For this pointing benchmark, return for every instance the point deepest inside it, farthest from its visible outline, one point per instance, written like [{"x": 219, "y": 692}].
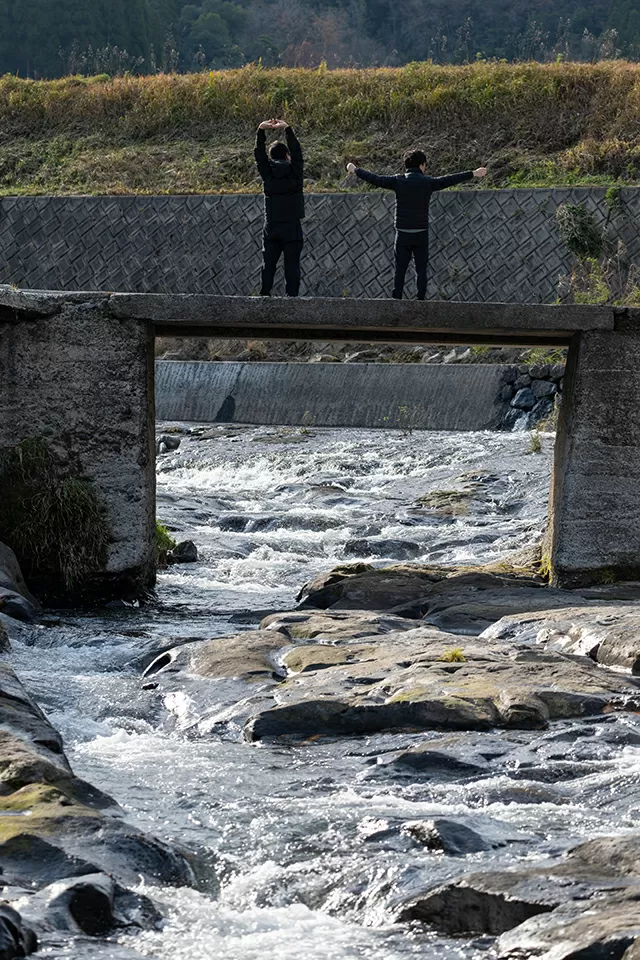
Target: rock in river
[
  {"x": 456, "y": 600},
  {"x": 610, "y": 635},
  {"x": 420, "y": 679},
  {"x": 586, "y": 902}
]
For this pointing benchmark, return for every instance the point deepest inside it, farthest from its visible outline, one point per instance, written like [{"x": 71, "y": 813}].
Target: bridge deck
[{"x": 408, "y": 321}]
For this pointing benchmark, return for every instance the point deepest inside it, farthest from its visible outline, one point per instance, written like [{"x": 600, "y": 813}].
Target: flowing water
[{"x": 299, "y": 855}]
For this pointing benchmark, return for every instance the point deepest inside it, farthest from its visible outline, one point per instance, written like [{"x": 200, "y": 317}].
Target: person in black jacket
[
  {"x": 282, "y": 177},
  {"x": 413, "y": 192}
]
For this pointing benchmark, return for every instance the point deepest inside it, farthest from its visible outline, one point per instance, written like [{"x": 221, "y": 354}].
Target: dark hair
[
  {"x": 415, "y": 159},
  {"x": 279, "y": 151}
]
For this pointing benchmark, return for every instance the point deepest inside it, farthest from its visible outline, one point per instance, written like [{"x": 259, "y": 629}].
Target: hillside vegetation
[
  {"x": 562, "y": 123},
  {"x": 45, "y": 39}
]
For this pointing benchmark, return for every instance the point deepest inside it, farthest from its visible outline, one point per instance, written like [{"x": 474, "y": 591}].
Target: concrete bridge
[{"x": 77, "y": 370}]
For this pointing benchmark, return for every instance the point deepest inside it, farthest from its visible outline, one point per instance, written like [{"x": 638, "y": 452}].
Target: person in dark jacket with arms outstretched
[
  {"x": 282, "y": 177},
  {"x": 413, "y": 191}
]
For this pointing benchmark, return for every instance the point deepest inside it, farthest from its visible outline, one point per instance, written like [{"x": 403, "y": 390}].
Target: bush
[
  {"x": 53, "y": 521},
  {"x": 579, "y": 231}
]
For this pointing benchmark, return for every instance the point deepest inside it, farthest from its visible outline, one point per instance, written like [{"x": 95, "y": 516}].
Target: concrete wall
[
  {"x": 501, "y": 245},
  {"x": 424, "y": 397},
  {"x": 594, "y": 532},
  {"x": 81, "y": 379}
]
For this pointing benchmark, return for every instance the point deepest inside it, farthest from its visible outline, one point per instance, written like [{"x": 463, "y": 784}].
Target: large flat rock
[{"x": 420, "y": 678}]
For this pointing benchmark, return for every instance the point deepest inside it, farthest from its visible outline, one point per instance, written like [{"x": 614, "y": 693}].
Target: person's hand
[
  {"x": 280, "y": 124},
  {"x": 480, "y": 172},
  {"x": 351, "y": 168},
  {"x": 266, "y": 125}
]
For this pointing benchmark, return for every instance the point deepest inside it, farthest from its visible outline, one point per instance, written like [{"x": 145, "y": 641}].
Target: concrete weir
[
  {"x": 77, "y": 370},
  {"x": 401, "y": 395}
]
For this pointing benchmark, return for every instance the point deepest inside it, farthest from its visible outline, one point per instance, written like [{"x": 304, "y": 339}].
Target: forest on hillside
[{"x": 53, "y": 38}]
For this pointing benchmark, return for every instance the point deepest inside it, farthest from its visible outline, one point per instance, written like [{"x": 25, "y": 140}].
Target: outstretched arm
[
  {"x": 387, "y": 183},
  {"x": 441, "y": 183}
]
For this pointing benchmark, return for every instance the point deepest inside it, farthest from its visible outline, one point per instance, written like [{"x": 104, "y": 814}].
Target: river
[{"x": 296, "y": 856}]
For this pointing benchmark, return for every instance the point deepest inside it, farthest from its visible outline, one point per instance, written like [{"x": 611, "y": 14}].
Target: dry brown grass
[{"x": 533, "y": 123}]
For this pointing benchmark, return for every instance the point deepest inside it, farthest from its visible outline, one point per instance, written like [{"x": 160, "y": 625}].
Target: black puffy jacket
[
  {"x": 413, "y": 192},
  {"x": 283, "y": 181}
]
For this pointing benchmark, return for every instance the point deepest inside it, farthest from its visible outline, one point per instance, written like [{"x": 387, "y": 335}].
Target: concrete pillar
[
  {"x": 82, "y": 380},
  {"x": 594, "y": 530}
]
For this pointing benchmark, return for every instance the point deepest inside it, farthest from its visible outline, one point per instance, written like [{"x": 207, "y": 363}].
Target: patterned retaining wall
[{"x": 501, "y": 245}]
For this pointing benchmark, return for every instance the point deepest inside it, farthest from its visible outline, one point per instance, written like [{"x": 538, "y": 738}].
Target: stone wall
[{"x": 501, "y": 245}]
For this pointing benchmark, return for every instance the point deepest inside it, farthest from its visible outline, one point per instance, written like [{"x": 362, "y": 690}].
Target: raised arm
[
  {"x": 260, "y": 151},
  {"x": 388, "y": 183},
  {"x": 295, "y": 150}
]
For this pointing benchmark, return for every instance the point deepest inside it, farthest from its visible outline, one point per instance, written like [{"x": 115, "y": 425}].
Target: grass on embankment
[{"x": 535, "y": 124}]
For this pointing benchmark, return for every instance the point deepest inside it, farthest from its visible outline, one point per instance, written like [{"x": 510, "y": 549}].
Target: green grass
[
  {"x": 455, "y": 655},
  {"x": 164, "y": 543},
  {"x": 534, "y": 124}
]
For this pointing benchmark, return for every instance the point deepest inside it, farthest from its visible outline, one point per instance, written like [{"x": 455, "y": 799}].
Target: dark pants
[
  {"x": 409, "y": 245},
  {"x": 282, "y": 238}
]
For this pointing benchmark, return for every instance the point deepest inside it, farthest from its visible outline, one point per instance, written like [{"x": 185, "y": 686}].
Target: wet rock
[
  {"x": 30, "y": 861},
  {"x": 85, "y": 833},
  {"x": 334, "y": 625},
  {"x": 524, "y": 380},
  {"x": 480, "y": 903},
  {"x": 371, "y": 590},
  {"x": 167, "y": 442},
  {"x": 396, "y": 549},
  {"x": 578, "y": 931},
  {"x": 510, "y": 374},
  {"x": 183, "y": 552},
  {"x": 367, "y": 589},
  {"x": 524, "y": 399},
  {"x": 16, "y": 938},
  {"x": 495, "y": 902},
  {"x": 363, "y": 587},
  {"x": 609, "y": 634},
  {"x": 557, "y": 371},
  {"x": 543, "y": 388},
  {"x": 460, "y": 837},
  {"x": 249, "y": 656},
  {"x": 92, "y": 905},
  {"x": 41, "y": 801},
  {"x": 460, "y": 602},
  {"x": 427, "y": 759},
  {"x": 15, "y": 598}
]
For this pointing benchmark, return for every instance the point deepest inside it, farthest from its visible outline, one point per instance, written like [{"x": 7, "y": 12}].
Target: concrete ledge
[
  {"x": 335, "y": 319},
  {"x": 344, "y": 318}
]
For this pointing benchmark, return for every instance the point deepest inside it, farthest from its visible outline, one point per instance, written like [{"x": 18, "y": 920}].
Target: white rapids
[{"x": 288, "y": 868}]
